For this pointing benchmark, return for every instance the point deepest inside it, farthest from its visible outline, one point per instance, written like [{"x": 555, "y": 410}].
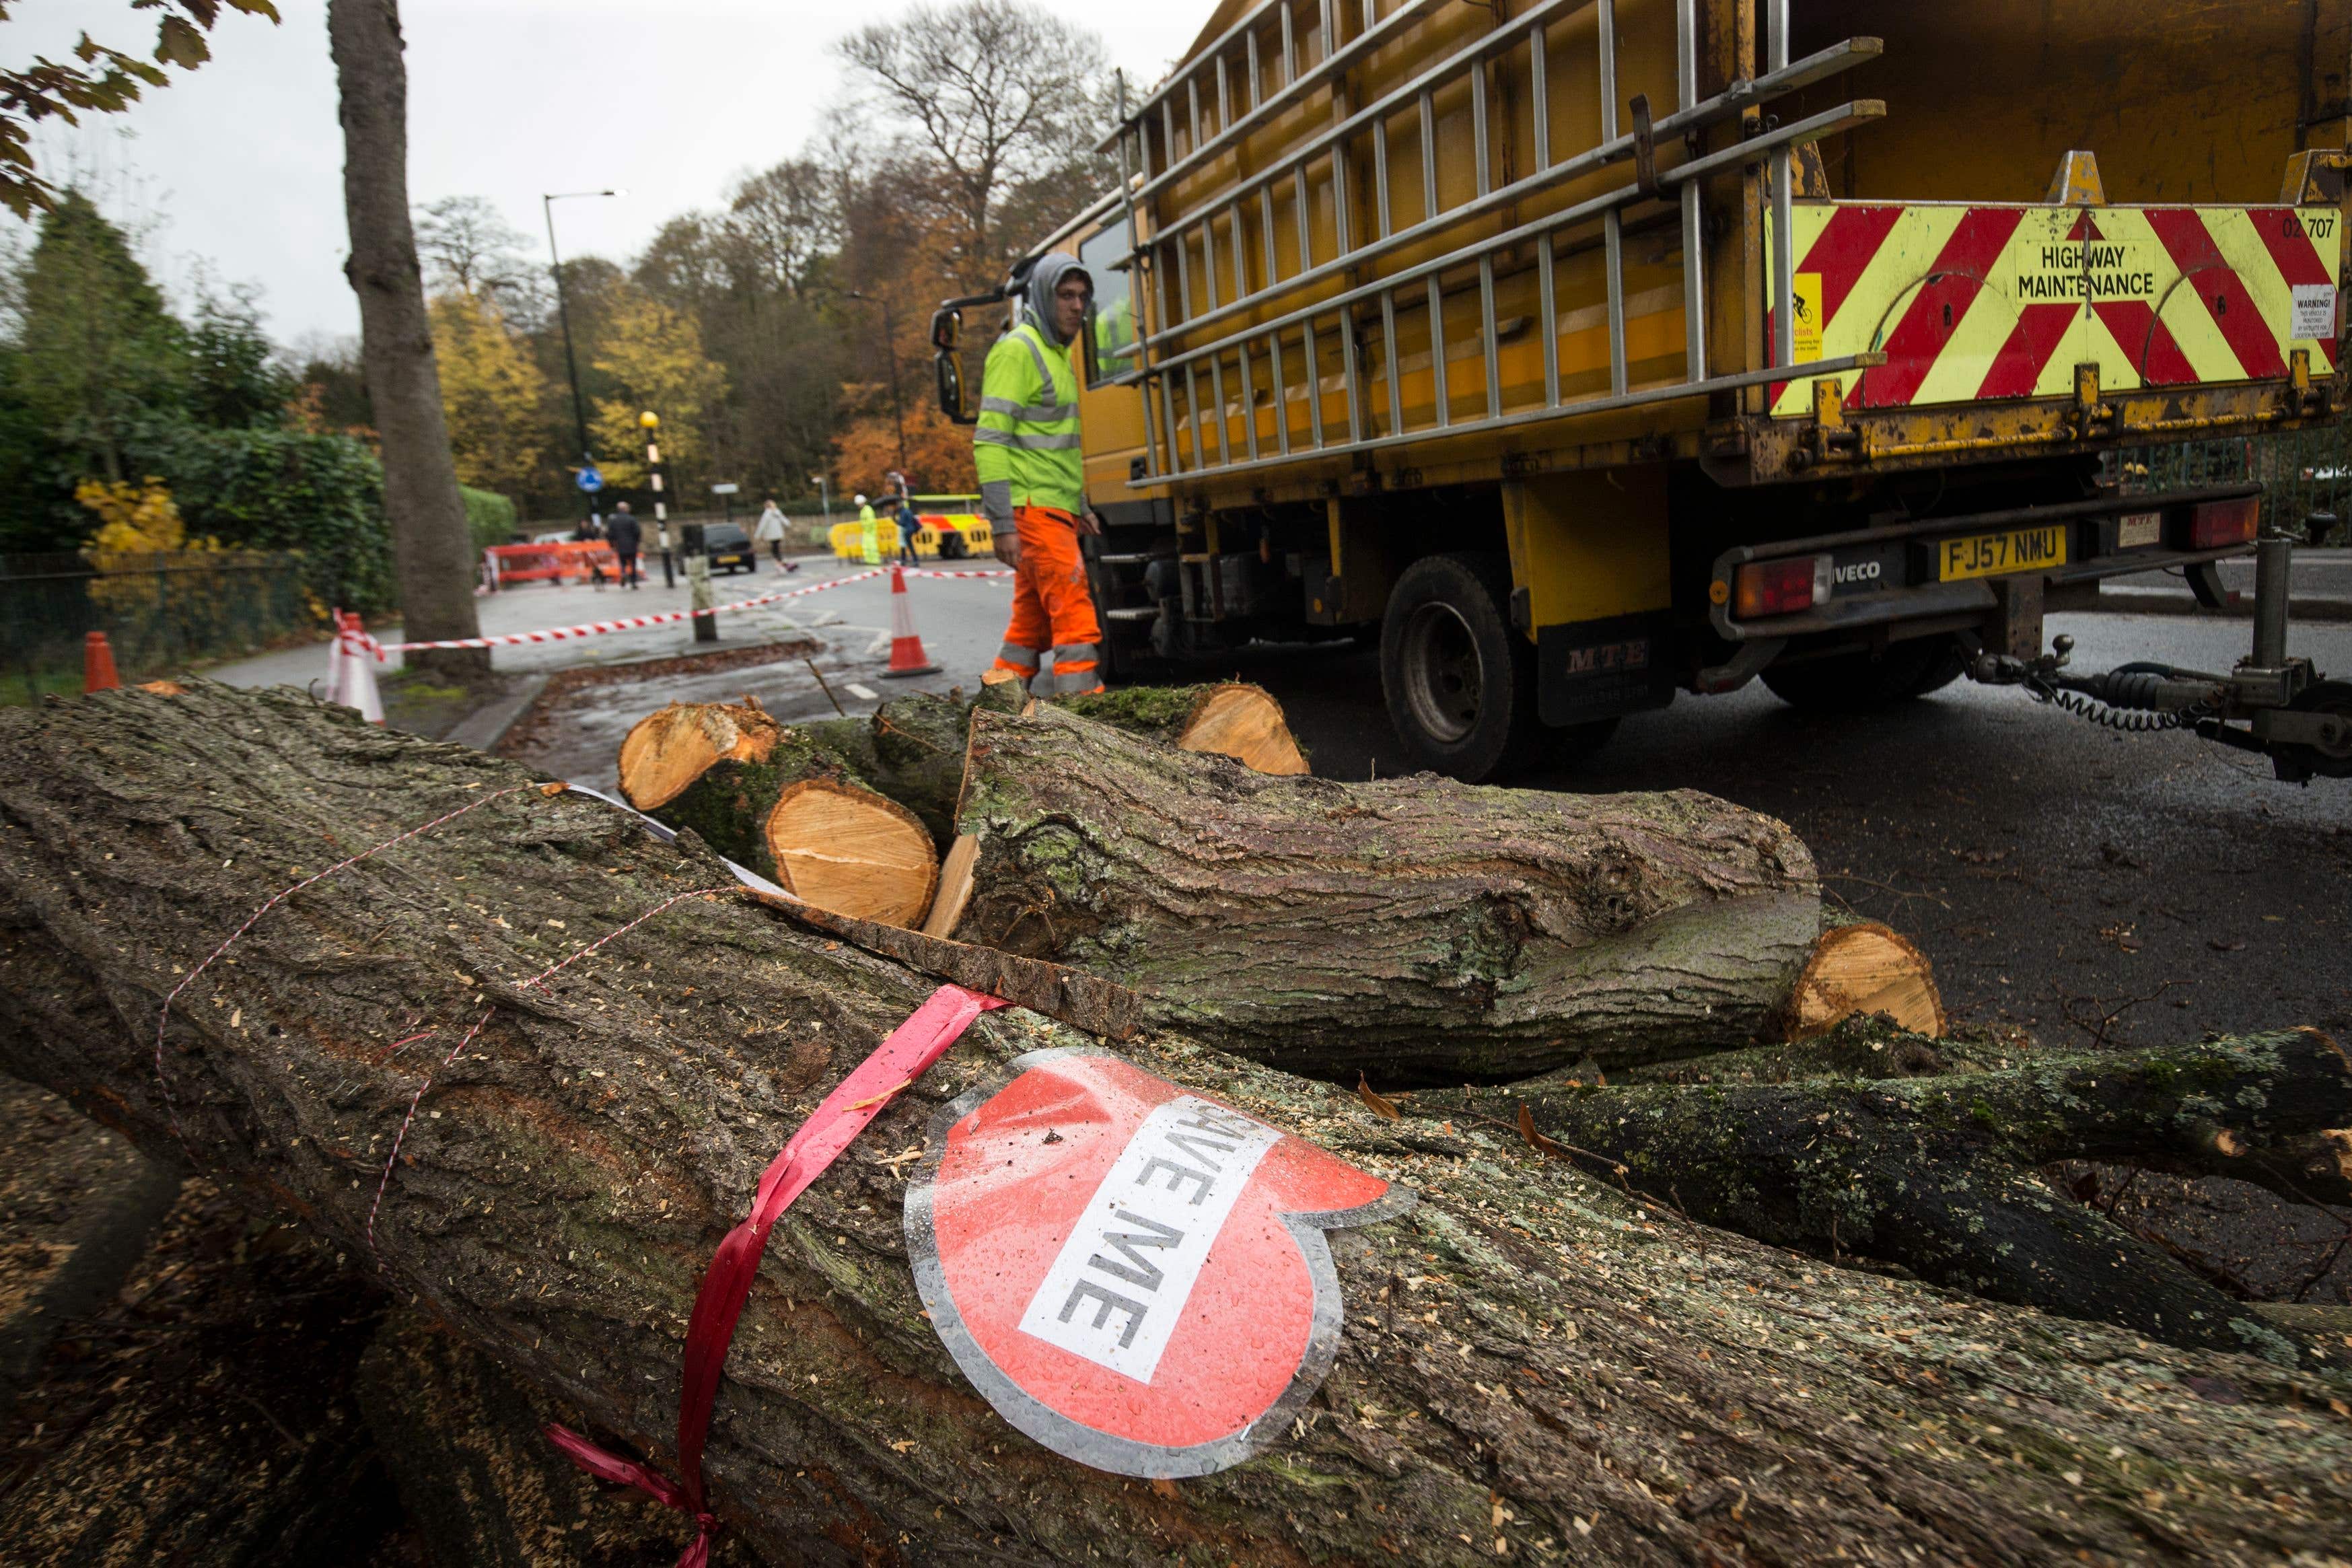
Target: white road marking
[{"x": 863, "y": 694}]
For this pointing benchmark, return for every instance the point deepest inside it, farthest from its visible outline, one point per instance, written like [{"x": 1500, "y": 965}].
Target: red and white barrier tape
[{"x": 666, "y": 617}]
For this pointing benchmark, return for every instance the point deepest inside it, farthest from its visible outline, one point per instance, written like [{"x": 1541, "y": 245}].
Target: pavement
[
  {"x": 2087, "y": 884},
  {"x": 2321, "y": 589}
]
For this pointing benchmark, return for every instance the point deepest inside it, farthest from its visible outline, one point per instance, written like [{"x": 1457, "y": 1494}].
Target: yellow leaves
[
  {"x": 656, "y": 354},
  {"x": 136, "y": 520},
  {"x": 491, "y": 393}
]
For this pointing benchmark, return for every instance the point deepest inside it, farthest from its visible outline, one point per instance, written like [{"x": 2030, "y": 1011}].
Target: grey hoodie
[{"x": 1038, "y": 298}]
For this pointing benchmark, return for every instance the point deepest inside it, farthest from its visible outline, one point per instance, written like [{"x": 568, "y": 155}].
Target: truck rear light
[
  {"x": 2218, "y": 522},
  {"x": 1780, "y": 588}
]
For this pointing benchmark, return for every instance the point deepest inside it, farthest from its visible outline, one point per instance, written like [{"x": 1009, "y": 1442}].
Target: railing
[
  {"x": 1171, "y": 361},
  {"x": 160, "y": 611}
]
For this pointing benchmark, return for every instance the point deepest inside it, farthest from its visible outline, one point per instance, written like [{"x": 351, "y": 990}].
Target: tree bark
[
  {"x": 1528, "y": 1356},
  {"x": 1416, "y": 930},
  {"x": 433, "y": 550}
]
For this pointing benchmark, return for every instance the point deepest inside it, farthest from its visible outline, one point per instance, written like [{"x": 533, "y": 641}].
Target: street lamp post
[
  {"x": 650, "y": 422},
  {"x": 563, "y": 315}
]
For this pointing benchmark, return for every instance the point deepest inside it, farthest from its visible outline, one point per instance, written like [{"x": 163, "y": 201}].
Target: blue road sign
[{"x": 591, "y": 480}]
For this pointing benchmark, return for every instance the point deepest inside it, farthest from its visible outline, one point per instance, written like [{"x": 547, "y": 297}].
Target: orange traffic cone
[
  {"x": 98, "y": 663},
  {"x": 907, "y": 655}
]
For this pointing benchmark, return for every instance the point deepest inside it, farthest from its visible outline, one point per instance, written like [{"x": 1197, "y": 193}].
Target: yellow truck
[{"x": 1586, "y": 351}]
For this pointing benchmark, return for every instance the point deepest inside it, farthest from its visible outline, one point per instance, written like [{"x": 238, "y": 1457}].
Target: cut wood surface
[
  {"x": 955, "y": 888},
  {"x": 1231, "y": 719},
  {"x": 670, "y": 749},
  {"x": 1530, "y": 1354},
  {"x": 1412, "y": 928},
  {"x": 1865, "y": 968},
  {"x": 852, "y": 851}
]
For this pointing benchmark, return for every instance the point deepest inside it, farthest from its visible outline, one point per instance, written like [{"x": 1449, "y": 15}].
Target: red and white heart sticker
[{"x": 1134, "y": 1275}]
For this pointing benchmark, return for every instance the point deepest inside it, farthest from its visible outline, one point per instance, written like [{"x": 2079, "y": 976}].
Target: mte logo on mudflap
[
  {"x": 1609, "y": 657},
  {"x": 1134, "y": 1276}
]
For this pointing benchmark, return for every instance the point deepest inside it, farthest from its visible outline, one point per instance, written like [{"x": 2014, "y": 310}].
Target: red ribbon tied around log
[{"x": 896, "y": 1062}]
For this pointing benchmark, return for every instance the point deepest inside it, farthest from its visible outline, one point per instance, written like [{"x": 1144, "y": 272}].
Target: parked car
[{"x": 730, "y": 547}]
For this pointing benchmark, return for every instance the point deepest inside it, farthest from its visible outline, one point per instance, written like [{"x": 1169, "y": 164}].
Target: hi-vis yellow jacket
[{"x": 1028, "y": 431}]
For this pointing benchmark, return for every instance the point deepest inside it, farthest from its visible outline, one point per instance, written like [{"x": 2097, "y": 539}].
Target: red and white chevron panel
[{"x": 1979, "y": 303}]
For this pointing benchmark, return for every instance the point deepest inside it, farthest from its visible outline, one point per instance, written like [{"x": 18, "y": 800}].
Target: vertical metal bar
[
  {"x": 1428, "y": 156},
  {"x": 1612, "y": 225},
  {"x": 1547, "y": 320},
  {"x": 1490, "y": 334},
  {"x": 1209, "y": 258},
  {"x": 1241, "y": 250},
  {"x": 1192, "y": 98},
  {"x": 1253, "y": 70},
  {"x": 1784, "y": 217},
  {"x": 1351, "y": 372},
  {"x": 1388, "y": 362},
  {"x": 1694, "y": 228},
  {"x": 1265, "y": 231},
  {"x": 1249, "y": 401},
  {"x": 1224, "y": 96},
  {"x": 1289, "y": 48},
  {"x": 1342, "y": 228},
  {"x": 1479, "y": 125},
  {"x": 1184, "y": 276},
  {"x": 1314, "y": 386},
  {"x": 1167, "y": 128},
  {"x": 1193, "y": 411},
  {"x": 1168, "y": 420},
  {"x": 1281, "y": 401},
  {"x": 1143, "y": 328},
  {"x": 1380, "y": 176},
  {"x": 1540, "y": 95},
  {"x": 1441, "y": 397},
  {"x": 1298, "y": 207},
  {"x": 1331, "y": 21},
  {"x": 1217, "y": 391}
]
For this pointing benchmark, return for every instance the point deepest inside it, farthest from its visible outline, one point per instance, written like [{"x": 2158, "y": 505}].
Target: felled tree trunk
[
  {"x": 1527, "y": 1356},
  {"x": 1413, "y": 929},
  {"x": 1879, "y": 1148}
]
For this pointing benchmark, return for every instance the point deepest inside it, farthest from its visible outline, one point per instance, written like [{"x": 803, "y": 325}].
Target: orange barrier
[{"x": 569, "y": 561}]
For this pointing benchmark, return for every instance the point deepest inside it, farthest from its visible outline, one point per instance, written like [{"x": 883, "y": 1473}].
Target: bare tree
[
  {"x": 432, "y": 550},
  {"x": 995, "y": 93},
  {"x": 466, "y": 244},
  {"x": 787, "y": 217}
]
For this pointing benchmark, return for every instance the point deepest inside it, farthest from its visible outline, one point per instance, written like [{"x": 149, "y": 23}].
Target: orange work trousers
[{"x": 1053, "y": 609}]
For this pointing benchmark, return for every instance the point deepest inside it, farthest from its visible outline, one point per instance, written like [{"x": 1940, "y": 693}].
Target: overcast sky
[{"x": 240, "y": 164}]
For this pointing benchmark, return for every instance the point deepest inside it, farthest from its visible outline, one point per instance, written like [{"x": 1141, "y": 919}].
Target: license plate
[
  {"x": 1991, "y": 554},
  {"x": 2140, "y": 528}
]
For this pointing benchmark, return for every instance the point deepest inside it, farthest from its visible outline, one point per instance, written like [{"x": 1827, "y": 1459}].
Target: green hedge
[
  {"x": 489, "y": 517},
  {"x": 281, "y": 489}
]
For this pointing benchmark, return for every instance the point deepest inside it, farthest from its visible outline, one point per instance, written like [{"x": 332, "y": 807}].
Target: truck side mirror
[
  {"x": 949, "y": 370},
  {"x": 946, "y": 330}
]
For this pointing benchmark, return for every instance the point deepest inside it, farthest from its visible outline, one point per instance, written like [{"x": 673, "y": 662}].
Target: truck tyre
[
  {"x": 1866, "y": 682},
  {"x": 1460, "y": 683}
]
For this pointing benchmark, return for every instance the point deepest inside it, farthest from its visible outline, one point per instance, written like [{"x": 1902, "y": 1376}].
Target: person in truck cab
[{"x": 1033, "y": 480}]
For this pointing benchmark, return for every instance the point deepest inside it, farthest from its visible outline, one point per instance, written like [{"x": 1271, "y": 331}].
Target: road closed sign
[{"x": 1133, "y": 1275}]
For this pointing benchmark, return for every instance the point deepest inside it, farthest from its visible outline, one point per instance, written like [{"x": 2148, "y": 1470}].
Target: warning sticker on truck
[{"x": 1977, "y": 303}]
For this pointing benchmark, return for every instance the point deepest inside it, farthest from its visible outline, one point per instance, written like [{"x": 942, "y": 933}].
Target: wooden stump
[
  {"x": 667, "y": 750},
  {"x": 1863, "y": 968},
  {"x": 1232, "y": 718},
  {"x": 852, "y": 851}
]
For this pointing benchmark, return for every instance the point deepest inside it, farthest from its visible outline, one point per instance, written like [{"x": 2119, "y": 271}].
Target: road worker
[
  {"x": 1033, "y": 480},
  {"x": 869, "y": 533}
]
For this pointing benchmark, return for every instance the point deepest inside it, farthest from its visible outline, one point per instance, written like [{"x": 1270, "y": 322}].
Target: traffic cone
[
  {"x": 907, "y": 655},
  {"x": 97, "y": 665},
  {"x": 351, "y": 679}
]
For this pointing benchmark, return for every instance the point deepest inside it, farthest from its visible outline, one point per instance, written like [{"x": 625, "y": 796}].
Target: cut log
[
  {"x": 717, "y": 768},
  {"x": 955, "y": 888},
  {"x": 1863, "y": 968},
  {"x": 1229, "y": 720},
  {"x": 1528, "y": 1355},
  {"x": 852, "y": 851},
  {"x": 1417, "y": 930}
]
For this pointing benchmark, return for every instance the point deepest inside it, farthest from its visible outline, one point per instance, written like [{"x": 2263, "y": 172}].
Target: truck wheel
[
  {"x": 1865, "y": 683},
  {"x": 1460, "y": 682}
]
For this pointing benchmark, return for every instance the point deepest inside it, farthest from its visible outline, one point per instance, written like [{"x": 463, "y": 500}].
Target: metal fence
[
  {"x": 2301, "y": 472},
  {"x": 160, "y": 612}
]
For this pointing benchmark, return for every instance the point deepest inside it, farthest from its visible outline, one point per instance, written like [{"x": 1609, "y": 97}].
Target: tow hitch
[{"x": 2283, "y": 707}]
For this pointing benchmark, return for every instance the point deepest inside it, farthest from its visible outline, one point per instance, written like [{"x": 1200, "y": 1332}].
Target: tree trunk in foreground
[
  {"x": 1413, "y": 929},
  {"x": 1530, "y": 1356},
  {"x": 433, "y": 550}
]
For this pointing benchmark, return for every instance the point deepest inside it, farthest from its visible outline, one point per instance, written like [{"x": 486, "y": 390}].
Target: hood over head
[{"x": 1038, "y": 297}]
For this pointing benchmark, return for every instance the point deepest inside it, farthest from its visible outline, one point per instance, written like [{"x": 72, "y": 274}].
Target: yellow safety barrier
[{"x": 848, "y": 541}]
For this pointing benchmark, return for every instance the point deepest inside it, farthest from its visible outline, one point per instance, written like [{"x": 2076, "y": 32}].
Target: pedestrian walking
[
  {"x": 1033, "y": 480},
  {"x": 770, "y": 531},
  {"x": 910, "y": 524},
  {"x": 626, "y": 533},
  {"x": 869, "y": 534}
]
